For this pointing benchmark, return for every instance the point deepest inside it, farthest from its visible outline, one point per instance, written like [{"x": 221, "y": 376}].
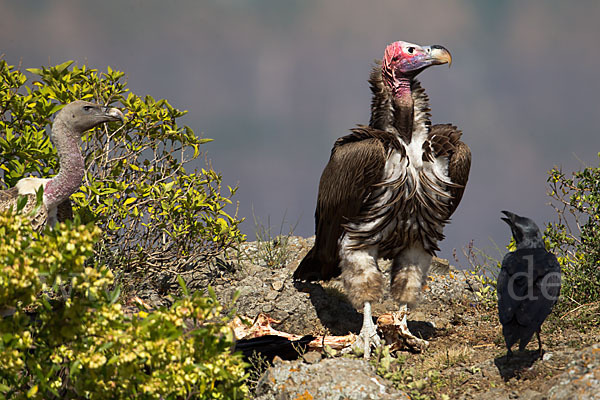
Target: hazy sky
[{"x": 276, "y": 82}]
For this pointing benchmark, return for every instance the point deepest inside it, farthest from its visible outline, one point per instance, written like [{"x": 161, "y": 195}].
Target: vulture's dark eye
[
  {"x": 410, "y": 50},
  {"x": 87, "y": 108}
]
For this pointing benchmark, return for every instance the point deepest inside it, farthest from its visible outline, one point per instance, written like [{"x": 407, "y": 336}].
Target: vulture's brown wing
[
  {"x": 8, "y": 199},
  {"x": 356, "y": 164},
  {"x": 445, "y": 140}
]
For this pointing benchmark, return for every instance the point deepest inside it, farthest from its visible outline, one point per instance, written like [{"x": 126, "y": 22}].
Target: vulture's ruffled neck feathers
[{"x": 394, "y": 116}]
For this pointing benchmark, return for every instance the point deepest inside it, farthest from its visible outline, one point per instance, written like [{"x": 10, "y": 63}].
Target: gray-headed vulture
[
  {"x": 388, "y": 190},
  {"x": 69, "y": 124}
]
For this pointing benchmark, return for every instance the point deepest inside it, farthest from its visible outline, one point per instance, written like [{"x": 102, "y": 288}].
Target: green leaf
[
  {"x": 114, "y": 295},
  {"x": 21, "y": 203},
  {"x": 113, "y": 359},
  {"x": 32, "y": 392},
  {"x": 74, "y": 368},
  {"x": 35, "y": 71},
  {"x": 64, "y": 66},
  {"x": 182, "y": 285},
  {"x": 56, "y": 108},
  {"x": 105, "y": 346}
]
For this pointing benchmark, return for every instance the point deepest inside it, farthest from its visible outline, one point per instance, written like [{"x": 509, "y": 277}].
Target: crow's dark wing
[
  {"x": 545, "y": 290},
  {"x": 511, "y": 287}
]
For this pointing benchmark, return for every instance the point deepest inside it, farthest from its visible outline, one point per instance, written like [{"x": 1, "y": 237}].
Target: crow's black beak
[{"x": 510, "y": 219}]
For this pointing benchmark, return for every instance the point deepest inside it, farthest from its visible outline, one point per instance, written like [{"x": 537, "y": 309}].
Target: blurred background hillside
[{"x": 276, "y": 82}]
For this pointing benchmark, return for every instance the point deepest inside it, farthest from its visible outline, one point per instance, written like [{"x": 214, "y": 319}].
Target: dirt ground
[{"x": 466, "y": 356}]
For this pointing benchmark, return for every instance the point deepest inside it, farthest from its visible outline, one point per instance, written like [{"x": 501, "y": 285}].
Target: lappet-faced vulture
[{"x": 388, "y": 190}]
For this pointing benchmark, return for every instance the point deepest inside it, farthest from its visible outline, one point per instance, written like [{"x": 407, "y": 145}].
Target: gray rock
[
  {"x": 312, "y": 357},
  {"x": 439, "y": 266},
  {"x": 529, "y": 394},
  {"x": 582, "y": 379},
  {"x": 337, "y": 379},
  {"x": 505, "y": 394},
  {"x": 547, "y": 356}
]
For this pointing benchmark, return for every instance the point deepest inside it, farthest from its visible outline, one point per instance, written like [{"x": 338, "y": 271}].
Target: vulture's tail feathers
[
  {"x": 318, "y": 266},
  {"x": 309, "y": 268}
]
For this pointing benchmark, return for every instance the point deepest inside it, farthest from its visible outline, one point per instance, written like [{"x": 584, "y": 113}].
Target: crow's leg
[{"x": 509, "y": 353}]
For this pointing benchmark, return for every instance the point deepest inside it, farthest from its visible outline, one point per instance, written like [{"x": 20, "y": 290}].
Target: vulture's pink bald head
[{"x": 406, "y": 60}]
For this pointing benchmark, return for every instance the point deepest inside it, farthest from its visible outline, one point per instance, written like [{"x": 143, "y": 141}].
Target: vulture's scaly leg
[
  {"x": 409, "y": 272},
  {"x": 411, "y": 340},
  {"x": 368, "y": 336},
  {"x": 364, "y": 283}
]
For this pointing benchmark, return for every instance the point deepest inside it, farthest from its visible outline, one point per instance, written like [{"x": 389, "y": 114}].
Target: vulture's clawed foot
[
  {"x": 366, "y": 340},
  {"x": 395, "y": 331},
  {"x": 368, "y": 336}
]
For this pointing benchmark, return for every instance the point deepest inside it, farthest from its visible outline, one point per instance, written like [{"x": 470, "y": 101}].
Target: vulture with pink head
[{"x": 388, "y": 191}]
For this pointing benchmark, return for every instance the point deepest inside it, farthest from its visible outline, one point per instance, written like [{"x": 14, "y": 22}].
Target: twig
[{"x": 579, "y": 307}]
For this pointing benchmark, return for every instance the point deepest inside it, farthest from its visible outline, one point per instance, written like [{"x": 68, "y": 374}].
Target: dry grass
[
  {"x": 448, "y": 358},
  {"x": 467, "y": 359}
]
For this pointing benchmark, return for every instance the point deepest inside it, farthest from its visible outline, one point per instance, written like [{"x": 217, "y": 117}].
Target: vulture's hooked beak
[
  {"x": 115, "y": 114},
  {"x": 438, "y": 55}
]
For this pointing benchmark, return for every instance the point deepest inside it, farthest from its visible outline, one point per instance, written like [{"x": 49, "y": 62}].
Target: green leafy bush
[
  {"x": 154, "y": 214},
  {"x": 75, "y": 341},
  {"x": 575, "y": 236}
]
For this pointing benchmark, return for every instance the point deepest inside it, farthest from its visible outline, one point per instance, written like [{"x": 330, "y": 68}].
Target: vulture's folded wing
[{"x": 356, "y": 164}]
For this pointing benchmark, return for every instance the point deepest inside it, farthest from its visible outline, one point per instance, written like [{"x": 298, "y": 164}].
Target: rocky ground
[{"x": 465, "y": 358}]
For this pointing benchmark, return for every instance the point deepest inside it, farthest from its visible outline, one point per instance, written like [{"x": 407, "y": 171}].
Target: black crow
[{"x": 528, "y": 284}]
